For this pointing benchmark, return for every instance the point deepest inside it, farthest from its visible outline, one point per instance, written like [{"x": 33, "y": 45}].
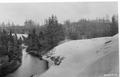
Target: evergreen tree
[
  {"x": 32, "y": 41},
  {"x": 54, "y": 33},
  {"x": 10, "y": 45},
  {"x": 114, "y": 25}
]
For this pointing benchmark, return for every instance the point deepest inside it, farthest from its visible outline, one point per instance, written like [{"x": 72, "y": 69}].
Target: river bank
[
  {"x": 30, "y": 66},
  {"x": 9, "y": 68}
]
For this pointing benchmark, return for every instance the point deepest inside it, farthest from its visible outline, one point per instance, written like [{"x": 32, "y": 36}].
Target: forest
[{"x": 43, "y": 38}]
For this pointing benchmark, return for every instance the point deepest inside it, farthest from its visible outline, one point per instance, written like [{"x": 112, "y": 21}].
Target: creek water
[{"x": 30, "y": 66}]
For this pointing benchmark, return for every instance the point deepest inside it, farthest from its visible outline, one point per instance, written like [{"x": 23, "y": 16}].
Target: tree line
[
  {"x": 84, "y": 29},
  {"x": 43, "y": 38}
]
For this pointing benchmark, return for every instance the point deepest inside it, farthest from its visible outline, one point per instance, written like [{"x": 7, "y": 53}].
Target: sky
[{"x": 38, "y": 12}]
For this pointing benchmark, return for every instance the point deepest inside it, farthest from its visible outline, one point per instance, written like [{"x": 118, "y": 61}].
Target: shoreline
[{"x": 11, "y": 68}]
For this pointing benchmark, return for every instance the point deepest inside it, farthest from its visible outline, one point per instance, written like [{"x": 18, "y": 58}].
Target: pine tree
[
  {"x": 54, "y": 33},
  {"x": 32, "y": 41},
  {"x": 114, "y": 25}
]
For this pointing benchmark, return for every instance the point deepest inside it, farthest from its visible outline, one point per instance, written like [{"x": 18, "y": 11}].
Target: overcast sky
[{"x": 19, "y": 12}]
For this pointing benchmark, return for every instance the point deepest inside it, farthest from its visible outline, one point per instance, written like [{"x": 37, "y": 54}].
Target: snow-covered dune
[{"x": 87, "y": 58}]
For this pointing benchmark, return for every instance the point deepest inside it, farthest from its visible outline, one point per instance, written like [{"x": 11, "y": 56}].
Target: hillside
[{"x": 96, "y": 57}]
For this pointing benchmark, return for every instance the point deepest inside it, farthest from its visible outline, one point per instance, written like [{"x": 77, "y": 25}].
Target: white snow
[
  {"x": 87, "y": 58},
  {"x": 21, "y": 35}
]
